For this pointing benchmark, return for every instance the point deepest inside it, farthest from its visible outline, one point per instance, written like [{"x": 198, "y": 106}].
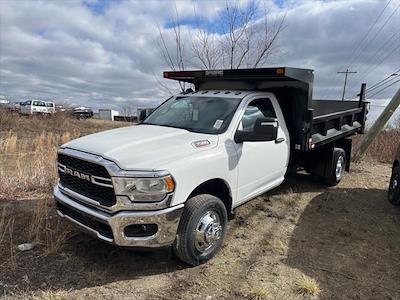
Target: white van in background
[
  {"x": 51, "y": 107},
  {"x": 31, "y": 107}
]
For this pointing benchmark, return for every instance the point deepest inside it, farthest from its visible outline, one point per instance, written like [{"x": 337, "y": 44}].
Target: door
[{"x": 261, "y": 165}]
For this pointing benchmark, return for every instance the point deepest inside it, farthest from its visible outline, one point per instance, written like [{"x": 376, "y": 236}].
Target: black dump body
[{"x": 311, "y": 123}]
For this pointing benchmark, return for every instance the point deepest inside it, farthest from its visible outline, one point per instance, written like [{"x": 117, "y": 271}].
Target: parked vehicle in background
[
  {"x": 32, "y": 107},
  {"x": 51, "y": 107},
  {"x": 394, "y": 186},
  {"x": 4, "y": 102},
  {"x": 82, "y": 113},
  {"x": 175, "y": 178}
]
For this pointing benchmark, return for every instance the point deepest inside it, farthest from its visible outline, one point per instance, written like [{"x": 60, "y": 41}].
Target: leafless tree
[
  {"x": 175, "y": 58},
  {"x": 249, "y": 38},
  {"x": 206, "y": 50},
  {"x": 126, "y": 109},
  {"x": 246, "y": 37}
]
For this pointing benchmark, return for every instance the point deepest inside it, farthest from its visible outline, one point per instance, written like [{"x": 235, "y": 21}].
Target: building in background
[
  {"x": 142, "y": 113},
  {"x": 107, "y": 114}
]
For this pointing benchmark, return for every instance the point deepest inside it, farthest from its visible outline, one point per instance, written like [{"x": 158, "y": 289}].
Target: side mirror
[{"x": 265, "y": 130}]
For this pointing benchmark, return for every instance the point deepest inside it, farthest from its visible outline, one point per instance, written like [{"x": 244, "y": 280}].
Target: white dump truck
[{"x": 176, "y": 178}]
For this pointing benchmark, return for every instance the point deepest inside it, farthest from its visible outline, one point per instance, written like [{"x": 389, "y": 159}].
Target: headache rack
[{"x": 311, "y": 123}]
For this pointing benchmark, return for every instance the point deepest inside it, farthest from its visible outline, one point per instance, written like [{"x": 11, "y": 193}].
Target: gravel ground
[{"x": 345, "y": 240}]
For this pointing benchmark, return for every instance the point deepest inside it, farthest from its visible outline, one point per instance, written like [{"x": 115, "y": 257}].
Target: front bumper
[{"x": 110, "y": 227}]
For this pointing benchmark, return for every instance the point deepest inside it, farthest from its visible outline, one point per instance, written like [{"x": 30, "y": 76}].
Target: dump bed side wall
[
  {"x": 335, "y": 120},
  {"x": 324, "y": 107}
]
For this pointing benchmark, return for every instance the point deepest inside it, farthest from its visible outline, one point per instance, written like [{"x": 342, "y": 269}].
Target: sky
[{"x": 105, "y": 53}]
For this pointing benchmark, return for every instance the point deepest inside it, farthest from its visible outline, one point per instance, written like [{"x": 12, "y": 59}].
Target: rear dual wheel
[
  {"x": 335, "y": 173},
  {"x": 394, "y": 187}
]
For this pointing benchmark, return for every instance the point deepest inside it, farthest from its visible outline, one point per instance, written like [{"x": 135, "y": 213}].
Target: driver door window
[{"x": 259, "y": 108}]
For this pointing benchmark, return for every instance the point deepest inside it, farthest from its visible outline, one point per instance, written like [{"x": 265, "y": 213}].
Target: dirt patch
[{"x": 344, "y": 240}]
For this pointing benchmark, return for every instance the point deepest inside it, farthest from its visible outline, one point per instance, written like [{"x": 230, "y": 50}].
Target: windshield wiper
[
  {"x": 177, "y": 127},
  {"x": 164, "y": 125}
]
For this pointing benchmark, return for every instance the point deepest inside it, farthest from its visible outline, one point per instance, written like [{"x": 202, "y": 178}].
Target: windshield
[{"x": 210, "y": 115}]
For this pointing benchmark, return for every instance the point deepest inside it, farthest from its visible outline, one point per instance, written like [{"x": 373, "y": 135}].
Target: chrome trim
[
  {"x": 102, "y": 237},
  {"x": 77, "y": 196},
  {"x": 93, "y": 180},
  {"x": 63, "y": 168},
  {"x": 111, "y": 166},
  {"x": 167, "y": 221},
  {"x": 122, "y": 202}
]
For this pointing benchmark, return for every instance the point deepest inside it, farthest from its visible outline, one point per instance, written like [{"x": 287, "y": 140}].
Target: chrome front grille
[{"x": 86, "y": 178}]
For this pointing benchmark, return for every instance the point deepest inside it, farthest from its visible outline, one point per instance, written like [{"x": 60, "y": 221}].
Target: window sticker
[{"x": 218, "y": 124}]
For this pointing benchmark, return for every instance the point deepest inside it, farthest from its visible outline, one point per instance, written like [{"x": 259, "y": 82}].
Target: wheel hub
[
  {"x": 395, "y": 184},
  {"x": 339, "y": 168},
  {"x": 208, "y": 231}
]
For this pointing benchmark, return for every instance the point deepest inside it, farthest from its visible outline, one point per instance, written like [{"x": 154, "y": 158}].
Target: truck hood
[{"x": 146, "y": 147}]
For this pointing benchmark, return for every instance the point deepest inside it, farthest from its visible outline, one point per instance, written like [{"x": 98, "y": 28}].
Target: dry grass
[
  {"x": 50, "y": 295},
  {"x": 46, "y": 229},
  {"x": 27, "y": 164},
  {"x": 258, "y": 294},
  {"x": 384, "y": 147},
  {"x": 8, "y": 144},
  {"x": 28, "y": 150},
  {"x": 276, "y": 246},
  {"x": 307, "y": 286}
]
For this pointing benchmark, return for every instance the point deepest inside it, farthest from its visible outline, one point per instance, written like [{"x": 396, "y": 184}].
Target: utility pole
[
  {"x": 347, "y": 72},
  {"x": 377, "y": 127}
]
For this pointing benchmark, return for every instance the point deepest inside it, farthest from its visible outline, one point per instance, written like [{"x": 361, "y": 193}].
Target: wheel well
[{"x": 218, "y": 188}]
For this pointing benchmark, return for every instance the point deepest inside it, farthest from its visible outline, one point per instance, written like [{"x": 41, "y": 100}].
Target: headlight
[{"x": 144, "y": 189}]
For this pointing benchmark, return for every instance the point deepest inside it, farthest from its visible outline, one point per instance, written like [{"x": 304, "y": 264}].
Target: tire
[
  {"x": 336, "y": 171},
  {"x": 394, "y": 187},
  {"x": 201, "y": 230}
]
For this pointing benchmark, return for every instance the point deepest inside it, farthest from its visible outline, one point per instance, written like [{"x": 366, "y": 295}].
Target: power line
[
  {"x": 382, "y": 84},
  {"x": 381, "y": 58},
  {"x": 379, "y": 30},
  {"x": 351, "y": 59},
  {"x": 387, "y": 44},
  {"x": 395, "y": 72},
  {"x": 380, "y": 91},
  {"x": 379, "y": 62}
]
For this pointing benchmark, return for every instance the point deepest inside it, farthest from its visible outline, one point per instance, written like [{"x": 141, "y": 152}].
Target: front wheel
[
  {"x": 394, "y": 187},
  {"x": 201, "y": 230}
]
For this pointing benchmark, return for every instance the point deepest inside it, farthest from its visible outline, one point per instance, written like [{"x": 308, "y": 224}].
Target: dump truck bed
[{"x": 335, "y": 119}]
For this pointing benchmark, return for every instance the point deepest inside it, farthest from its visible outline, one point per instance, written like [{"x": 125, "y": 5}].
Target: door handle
[{"x": 279, "y": 140}]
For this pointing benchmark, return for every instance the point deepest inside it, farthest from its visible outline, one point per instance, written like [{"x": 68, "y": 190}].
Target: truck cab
[{"x": 177, "y": 177}]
